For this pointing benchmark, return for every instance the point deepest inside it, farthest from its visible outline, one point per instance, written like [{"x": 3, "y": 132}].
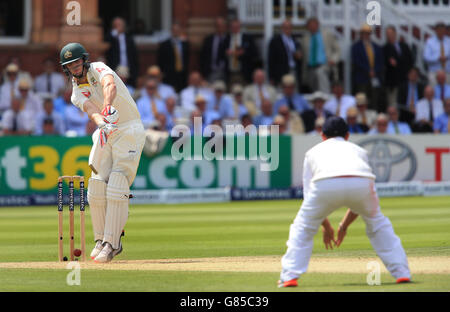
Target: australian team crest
[
  {"x": 93, "y": 81},
  {"x": 67, "y": 54}
]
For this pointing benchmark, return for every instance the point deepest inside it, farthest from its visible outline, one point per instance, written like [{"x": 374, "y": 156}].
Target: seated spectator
[
  {"x": 436, "y": 53},
  {"x": 47, "y": 119},
  {"x": 62, "y": 101},
  {"x": 442, "y": 122},
  {"x": 50, "y": 82},
  {"x": 163, "y": 90},
  {"x": 202, "y": 106},
  {"x": 124, "y": 73},
  {"x": 279, "y": 121},
  {"x": 442, "y": 88},
  {"x": 295, "y": 101},
  {"x": 249, "y": 126},
  {"x": 366, "y": 116},
  {"x": 223, "y": 104},
  {"x": 266, "y": 116},
  {"x": 9, "y": 88},
  {"x": 318, "y": 124},
  {"x": 161, "y": 122},
  {"x": 293, "y": 121},
  {"x": 215, "y": 120},
  {"x": 238, "y": 103},
  {"x": 427, "y": 109},
  {"x": 257, "y": 91},
  {"x": 381, "y": 124},
  {"x": 309, "y": 117},
  {"x": 76, "y": 121},
  {"x": 395, "y": 126},
  {"x": 172, "y": 113},
  {"x": 353, "y": 125},
  {"x": 20, "y": 73},
  {"x": 195, "y": 88},
  {"x": 339, "y": 102},
  {"x": 30, "y": 101},
  {"x": 17, "y": 121},
  {"x": 148, "y": 106},
  {"x": 409, "y": 94}
]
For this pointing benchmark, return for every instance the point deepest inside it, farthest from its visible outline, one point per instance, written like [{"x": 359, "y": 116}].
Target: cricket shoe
[
  {"x": 290, "y": 283},
  {"x": 403, "y": 280},
  {"x": 98, "y": 247},
  {"x": 108, "y": 253}
]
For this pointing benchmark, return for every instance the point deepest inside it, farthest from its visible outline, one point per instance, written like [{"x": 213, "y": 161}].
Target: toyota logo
[{"x": 387, "y": 155}]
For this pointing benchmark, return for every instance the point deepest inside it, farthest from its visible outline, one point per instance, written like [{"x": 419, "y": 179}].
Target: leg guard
[
  {"x": 117, "y": 193},
  {"x": 96, "y": 196}
]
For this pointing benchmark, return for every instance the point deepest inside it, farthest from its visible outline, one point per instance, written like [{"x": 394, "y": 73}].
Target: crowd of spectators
[{"x": 301, "y": 88}]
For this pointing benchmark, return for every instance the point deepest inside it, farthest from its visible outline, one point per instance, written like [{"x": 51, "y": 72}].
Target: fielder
[
  {"x": 336, "y": 173},
  {"x": 118, "y": 143}
]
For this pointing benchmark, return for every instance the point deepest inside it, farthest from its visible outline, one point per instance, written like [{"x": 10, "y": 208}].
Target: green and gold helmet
[{"x": 72, "y": 52}]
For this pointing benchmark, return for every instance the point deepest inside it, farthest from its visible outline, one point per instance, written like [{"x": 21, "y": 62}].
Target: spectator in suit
[
  {"x": 442, "y": 122},
  {"x": 196, "y": 87},
  {"x": 436, "y": 53},
  {"x": 257, "y": 91},
  {"x": 309, "y": 116},
  {"x": 47, "y": 115},
  {"x": 293, "y": 121},
  {"x": 163, "y": 90},
  {"x": 292, "y": 99},
  {"x": 366, "y": 116},
  {"x": 239, "y": 106},
  {"x": 353, "y": 125},
  {"x": 409, "y": 94},
  {"x": 367, "y": 61},
  {"x": 285, "y": 55},
  {"x": 381, "y": 124},
  {"x": 149, "y": 106},
  {"x": 17, "y": 121},
  {"x": 321, "y": 54},
  {"x": 398, "y": 61},
  {"x": 339, "y": 103},
  {"x": 442, "y": 88},
  {"x": 242, "y": 54},
  {"x": 49, "y": 82},
  {"x": 266, "y": 116},
  {"x": 213, "y": 58},
  {"x": 9, "y": 88},
  {"x": 173, "y": 58},
  {"x": 122, "y": 50},
  {"x": 427, "y": 110},
  {"x": 394, "y": 125},
  {"x": 222, "y": 103}
]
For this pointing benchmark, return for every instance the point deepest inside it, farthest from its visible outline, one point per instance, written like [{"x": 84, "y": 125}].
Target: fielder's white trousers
[{"x": 325, "y": 196}]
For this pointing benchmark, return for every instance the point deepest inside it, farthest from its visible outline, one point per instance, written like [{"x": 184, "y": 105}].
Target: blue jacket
[{"x": 360, "y": 63}]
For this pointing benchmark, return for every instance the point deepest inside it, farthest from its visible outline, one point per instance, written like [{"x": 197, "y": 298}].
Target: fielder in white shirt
[
  {"x": 337, "y": 173},
  {"x": 98, "y": 91}
]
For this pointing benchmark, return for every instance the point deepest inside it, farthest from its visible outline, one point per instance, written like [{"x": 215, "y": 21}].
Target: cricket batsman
[
  {"x": 337, "y": 173},
  {"x": 117, "y": 145}
]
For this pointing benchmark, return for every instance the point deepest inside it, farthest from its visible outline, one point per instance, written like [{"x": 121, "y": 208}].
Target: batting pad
[
  {"x": 96, "y": 197},
  {"x": 117, "y": 193}
]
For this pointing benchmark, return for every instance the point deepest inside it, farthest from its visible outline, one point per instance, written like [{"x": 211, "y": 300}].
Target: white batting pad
[{"x": 96, "y": 197}]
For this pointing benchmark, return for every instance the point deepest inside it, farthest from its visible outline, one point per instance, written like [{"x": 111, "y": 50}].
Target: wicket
[{"x": 71, "y": 217}]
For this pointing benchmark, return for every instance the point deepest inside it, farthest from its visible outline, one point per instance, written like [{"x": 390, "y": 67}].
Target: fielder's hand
[
  {"x": 106, "y": 129},
  {"x": 328, "y": 237},
  {"x": 342, "y": 231},
  {"x": 111, "y": 114}
]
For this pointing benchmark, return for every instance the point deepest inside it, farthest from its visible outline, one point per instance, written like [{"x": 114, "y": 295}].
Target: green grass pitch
[{"x": 258, "y": 228}]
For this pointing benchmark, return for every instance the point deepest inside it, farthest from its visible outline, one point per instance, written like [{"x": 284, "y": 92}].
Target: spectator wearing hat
[
  {"x": 321, "y": 54},
  {"x": 366, "y": 116},
  {"x": 381, "y": 125},
  {"x": 442, "y": 122},
  {"x": 395, "y": 126},
  {"x": 409, "y": 93},
  {"x": 266, "y": 116},
  {"x": 239, "y": 106},
  {"x": 17, "y": 121},
  {"x": 257, "y": 91},
  {"x": 428, "y": 108},
  {"x": 173, "y": 58},
  {"x": 150, "y": 105},
  {"x": 124, "y": 74},
  {"x": 436, "y": 53},
  {"x": 196, "y": 87},
  {"x": 309, "y": 116},
  {"x": 222, "y": 103},
  {"x": 30, "y": 101},
  {"x": 398, "y": 61},
  {"x": 201, "y": 110},
  {"x": 285, "y": 55},
  {"x": 48, "y": 117},
  {"x": 318, "y": 125},
  {"x": 163, "y": 90},
  {"x": 294, "y": 100},
  {"x": 442, "y": 88},
  {"x": 339, "y": 103},
  {"x": 9, "y": 89},
  {"x": 294, "y": 123},
  {"x": 367, "y": 62},
  {"x": 353, "y": 125},
  {"x": 50, "y": 82}
]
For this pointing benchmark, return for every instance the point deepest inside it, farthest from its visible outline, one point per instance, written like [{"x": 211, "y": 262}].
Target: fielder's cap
[
  {"x": 154, "y": 70},
  {"x": 288, "y": 80},
  {"x": 361, "y": 99},
  {"x": 318, "y": 95},
  {"x": 12, "y": 68},
  {"x": 237, "y": 89},
  {"x": 335, "y": 126},
  {"x": 123, "y": 71},
  {"x": 219, "y": 85},
  {"x": 366, "y": 28}
]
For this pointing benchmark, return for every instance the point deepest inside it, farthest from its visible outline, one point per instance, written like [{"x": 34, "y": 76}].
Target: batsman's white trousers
[{"x": 325, "y": 196}]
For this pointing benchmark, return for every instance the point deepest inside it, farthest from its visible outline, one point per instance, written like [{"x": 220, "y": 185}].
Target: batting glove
[
  {"x": 106, "y": 129},
  {"x": 111, "y": 115}
]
